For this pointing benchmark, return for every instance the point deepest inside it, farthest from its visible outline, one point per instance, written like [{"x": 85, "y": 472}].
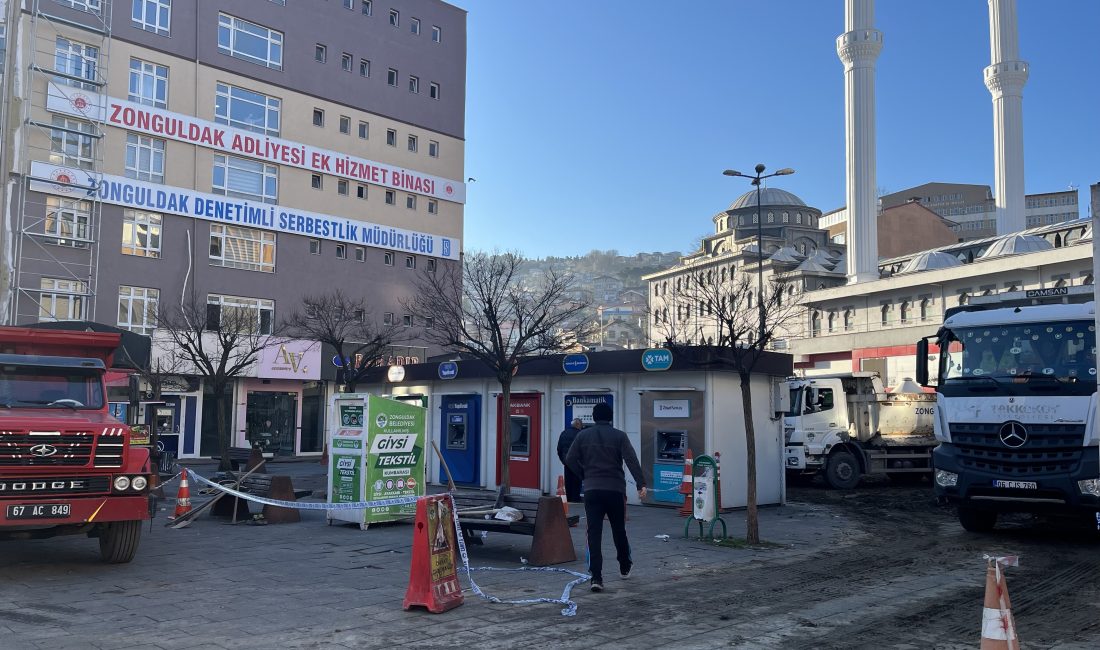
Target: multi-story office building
[{"x": 250, "y": 153}]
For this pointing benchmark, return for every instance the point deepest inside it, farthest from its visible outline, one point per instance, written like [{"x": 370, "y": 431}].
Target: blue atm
[{"x": 461, "y": 438}]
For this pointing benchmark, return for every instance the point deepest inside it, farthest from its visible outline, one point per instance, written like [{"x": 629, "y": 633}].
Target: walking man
[
  {"x": 565, "y": 441},
  {"x": 597, "y": 457}
]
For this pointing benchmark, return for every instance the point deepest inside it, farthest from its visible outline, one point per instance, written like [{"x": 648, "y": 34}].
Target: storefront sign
[
  {"x": 580, "y": 406},
  {"x": 291, "y": 359},
  {"x": 574, "y": 364},
  {"x": 395, "y": 374},
  {"x": 671, "y": 408},
  {"x": 220, "y": 137},
  {"x": 655, "y": 359},
  {"x": 130, "y": 193},
  {"x": 448, "y": 370}
]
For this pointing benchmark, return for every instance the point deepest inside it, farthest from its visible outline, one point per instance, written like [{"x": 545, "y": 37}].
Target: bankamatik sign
[
  {"x": 116, "y": 190},
  {"x": 192, "y": 130}
]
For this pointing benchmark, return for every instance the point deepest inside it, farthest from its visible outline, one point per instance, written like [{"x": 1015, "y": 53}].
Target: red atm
[{"x": 524, "y": 439}]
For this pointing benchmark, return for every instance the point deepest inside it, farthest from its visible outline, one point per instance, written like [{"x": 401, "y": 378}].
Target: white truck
[
  {"x": 1016, "y": 405},
  {"x": 847, "y": 426}
]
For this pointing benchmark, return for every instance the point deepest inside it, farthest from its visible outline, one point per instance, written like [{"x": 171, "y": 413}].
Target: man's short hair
[{"x": 577, "y": 422}]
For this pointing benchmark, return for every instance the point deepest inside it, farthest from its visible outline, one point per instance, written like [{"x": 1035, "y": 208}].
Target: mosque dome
[
  {"x": 787, "y": 255},
  {"x": 768, "y": 196},
  {"x": 930, "y": 261},
  {"x": 1016, "y": 244}
]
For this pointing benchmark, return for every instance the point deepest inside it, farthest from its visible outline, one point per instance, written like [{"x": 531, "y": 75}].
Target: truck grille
[
  {"x": 72, "y": 448},
  {"x": 50, "y": 486},
  {"x": 1050, "y": 449}
]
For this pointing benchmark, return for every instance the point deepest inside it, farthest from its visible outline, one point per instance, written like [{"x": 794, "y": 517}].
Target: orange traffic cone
[
  {"x": 561, "y": 493},
  {"x": 998, "y": 626},
  {"x": 183, "y": 497},
  {"x": 685, "y": 486}
]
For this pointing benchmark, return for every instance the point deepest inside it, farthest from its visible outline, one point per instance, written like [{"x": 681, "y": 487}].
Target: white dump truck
[{"x": 847, "y": 426}]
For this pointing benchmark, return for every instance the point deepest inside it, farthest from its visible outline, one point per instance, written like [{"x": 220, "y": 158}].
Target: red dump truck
[{"x": 66, "y": 465}]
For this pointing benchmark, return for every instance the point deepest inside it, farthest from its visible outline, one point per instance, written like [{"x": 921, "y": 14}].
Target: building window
[
  {"x": 410, "y": 201},
  {"x": 430, "y": 265},
  {"x": 395, "y": 17},
  {"x": 429, "y": 322},
  {"x": 884, "y": 315},
  {"x": 391, "y": 137},
  {"x": 387, "y": 318},
  {"x": 144, "y": 158},
  {"x": 414, "y": 84},
  {"x": 364, "y": 67},
  {"x": 342, "y": 187},
  {"x": 407, "y": 320},
  {"x": 387, "y": 258},
  {"x": 345, "y": 125},
  {"x": 249, "y": 41},
  {"x": 361, "y": 191},
  {"x": 236, "y": 247},
  {"x": 320, "y": 53},
  {"x": 346, "y": 61},
  {"x": 364, "y": 130},
  {"x": 245, "y": 179},
  {"x": 412, "y": 143},
  {"x": 68, "y": 221},
  {"x": 410, "y": 262},
  {"x": 148, "y": 83},
  {"x": 252, "y": 315},
  {"x": 247, "y": 109},
  {"x": 316, "y": 181},
  {"x": 815, "y": 324},
  {"x": 832, "y": 322},
  {"x": 349, "y": 4},
  {"x": 924, "y": 304},
  {"x": 433, "y": 90},
  {"x": 414, "y": 25},
  {"x": 847, "y": 320},
  {"x": 141, "y": 233},
  {"x": 61, "y": 299},
  {"x": 433, "y": 148},
  {"x": 433, "y": 206},
  {"x": 71, "y": 143},
  {"x": 91, "y": 6},
  {"x": 152, "y": 15},
  {"x": 341, "y": 251},
  {"x": 315, "y": 247},
  {"x": 360, "y": 254},
  {"x": 437, "y": 34},
  {"x": 904, "y": 311},
  {"x": 318, "y": 117},
  {"x": 391, "y": 197},
  {"x": 137, "y": 309},
  {"x": 76, "y": 60},
  {"x": 391, "y": 77},
  {"x": 367, "y": 7}
]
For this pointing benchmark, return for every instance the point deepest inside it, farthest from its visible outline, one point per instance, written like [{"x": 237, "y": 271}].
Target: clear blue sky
[{"x": 607, "y": 124}]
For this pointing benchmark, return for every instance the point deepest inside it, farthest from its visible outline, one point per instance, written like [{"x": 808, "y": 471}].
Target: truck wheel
[
  {"x": 118, "y": 541},
  {"x": 977, "y": 521},
  {"x": 842, "y": 471}
]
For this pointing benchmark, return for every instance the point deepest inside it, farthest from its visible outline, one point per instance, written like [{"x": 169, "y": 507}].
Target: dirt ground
[{"x": 908, "y": 541}]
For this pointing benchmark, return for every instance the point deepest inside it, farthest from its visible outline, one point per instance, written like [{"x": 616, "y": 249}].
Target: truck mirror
[{"x": 922, "y": 362}]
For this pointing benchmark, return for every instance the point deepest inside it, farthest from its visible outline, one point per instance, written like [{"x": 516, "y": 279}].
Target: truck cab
[
  {"x": 66, "y": 465},
  {"x": 1015, "y": 380}
]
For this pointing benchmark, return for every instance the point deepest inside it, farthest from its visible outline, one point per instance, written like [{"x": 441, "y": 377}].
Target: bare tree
[
  {"x": 219, "y": 343},
  {"x": 348, "y": 326},
  {"x": 723, "y": 316},
  {"x": 482, "y": 310}
]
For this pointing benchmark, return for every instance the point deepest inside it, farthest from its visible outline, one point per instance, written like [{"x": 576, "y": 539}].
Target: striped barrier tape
[{"x": 570, "y": 608}]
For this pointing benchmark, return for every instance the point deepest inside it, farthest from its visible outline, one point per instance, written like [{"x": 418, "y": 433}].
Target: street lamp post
[{"x": 756, "y": 180}]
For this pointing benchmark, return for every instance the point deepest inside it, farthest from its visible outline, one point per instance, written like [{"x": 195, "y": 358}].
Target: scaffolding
[{"x": 60, "y": 160}]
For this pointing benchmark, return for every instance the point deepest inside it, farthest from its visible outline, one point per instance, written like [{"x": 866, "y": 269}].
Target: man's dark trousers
[
  {"x": 597, "y": 504},
  {"x": 572, "y": 486}
]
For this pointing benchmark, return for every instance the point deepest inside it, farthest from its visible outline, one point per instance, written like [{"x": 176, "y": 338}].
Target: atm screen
[
  {"x": 671, "y": 445},
  {"x": 456, "y": 432}
]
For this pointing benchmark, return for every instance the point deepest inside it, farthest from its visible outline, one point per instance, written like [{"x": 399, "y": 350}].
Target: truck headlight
[
  {"x": 139, "y": 483},
  {"x": 122, "y": 483},
  {"x": 1089, "y": 486},
  {"x": 945, "y": 478}
]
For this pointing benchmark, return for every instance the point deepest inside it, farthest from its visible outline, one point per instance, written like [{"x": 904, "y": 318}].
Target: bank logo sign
[
  {"x": 656, "y": 359},
  {"x": 575, "y": 364}
]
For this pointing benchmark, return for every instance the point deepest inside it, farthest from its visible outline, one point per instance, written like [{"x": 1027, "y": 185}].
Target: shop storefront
[{"x": 281, "y": 409}]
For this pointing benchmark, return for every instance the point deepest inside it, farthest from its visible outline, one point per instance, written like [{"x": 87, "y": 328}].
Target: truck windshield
[
  {"x": 45, "y": 387},
  {"x": 1065, "y": 351},
  {"x": 796, "y": 402}
]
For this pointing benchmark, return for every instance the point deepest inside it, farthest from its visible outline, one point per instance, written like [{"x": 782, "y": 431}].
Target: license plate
[
  {"x": 1018, "y": 485},
  {"x": 40, "y": 511}
]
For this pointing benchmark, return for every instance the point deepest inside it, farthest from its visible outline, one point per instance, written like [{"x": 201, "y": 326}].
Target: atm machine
[
  {"x": 460, "y": 438},
  {"x": 672, "y": 422}
]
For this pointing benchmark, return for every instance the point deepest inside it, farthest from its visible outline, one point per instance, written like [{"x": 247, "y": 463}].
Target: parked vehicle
[
  {"x": 66, "y": 465},
  {"x": 1016, "y": 405},
  {"x": 848, "y": 426}
]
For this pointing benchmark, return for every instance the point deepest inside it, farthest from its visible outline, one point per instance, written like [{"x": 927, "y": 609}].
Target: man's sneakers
[
  {"x": 597, "y": 586},
  {"x": 624, "y": 572}
]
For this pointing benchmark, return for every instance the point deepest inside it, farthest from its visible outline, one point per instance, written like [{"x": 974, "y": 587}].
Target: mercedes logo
[
  {"x": 43, "y": 450},
  {"x": 1013, "y": 434}
]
